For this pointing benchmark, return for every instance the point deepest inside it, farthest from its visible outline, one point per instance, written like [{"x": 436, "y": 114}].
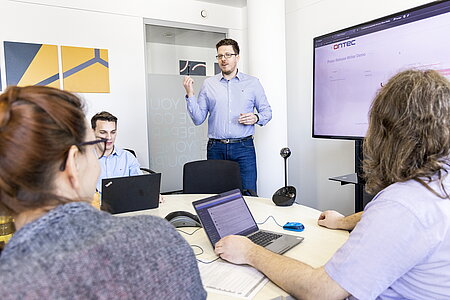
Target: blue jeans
[{"x": 243, "y": 153}]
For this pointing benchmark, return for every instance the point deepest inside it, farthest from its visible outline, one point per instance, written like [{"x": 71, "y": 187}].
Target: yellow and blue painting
[
  {"x": 85, "y": 70},
  {"x": 31, "y": 64}
]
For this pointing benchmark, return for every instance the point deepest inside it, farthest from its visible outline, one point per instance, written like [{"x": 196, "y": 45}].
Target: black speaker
[
  {"x": 285, "y": 196},
  {"x": 183, "y": 219}
]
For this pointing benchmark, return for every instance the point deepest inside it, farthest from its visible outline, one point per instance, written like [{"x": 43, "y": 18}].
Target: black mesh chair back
[
  {"x": 144, "y": 170},
  {"x": 211, "y": 176}
]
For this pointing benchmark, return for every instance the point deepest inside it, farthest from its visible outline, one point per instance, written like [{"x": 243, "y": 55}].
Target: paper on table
[{"x": 233, "y": 280}]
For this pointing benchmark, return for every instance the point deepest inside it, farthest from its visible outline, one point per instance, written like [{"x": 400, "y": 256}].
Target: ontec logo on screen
[{"x": 344, "y": 44}]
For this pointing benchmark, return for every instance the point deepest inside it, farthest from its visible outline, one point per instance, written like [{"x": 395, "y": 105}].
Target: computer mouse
[
  {"x": 183, "y": 219},
  {"x": 294, "y": 226}
]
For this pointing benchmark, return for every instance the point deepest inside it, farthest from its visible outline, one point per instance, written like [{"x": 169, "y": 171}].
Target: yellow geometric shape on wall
[
  {"x": 85, "y": 70},
  {"x": 31, "y": 64},
  {"x": 44, "y": 65}
]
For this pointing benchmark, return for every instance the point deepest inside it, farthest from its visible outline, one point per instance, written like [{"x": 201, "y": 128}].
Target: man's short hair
[
  {"x": 228, "y": 42},
  {"x": 102, "y": 116}
]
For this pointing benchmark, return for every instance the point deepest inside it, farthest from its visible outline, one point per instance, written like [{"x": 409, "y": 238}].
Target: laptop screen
[{"x": 225, "y": 214}]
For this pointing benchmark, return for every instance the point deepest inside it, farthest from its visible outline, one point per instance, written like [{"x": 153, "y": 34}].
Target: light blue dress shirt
[
  {"x": 401, "y": 247},
  {"x": 225, "y": 100},
  {"x": 119, "y": 164}
]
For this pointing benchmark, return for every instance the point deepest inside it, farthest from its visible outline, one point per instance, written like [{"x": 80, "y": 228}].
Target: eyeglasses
[
  {"x": 95, "y": 142},
  {"x": 226, "y": 55}
]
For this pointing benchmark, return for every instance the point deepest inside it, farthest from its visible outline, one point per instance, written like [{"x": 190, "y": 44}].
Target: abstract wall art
[
  {"x": 31, "y": 64},
  {"x": 188, "y": 67},
  {"x": 85, "y": 69}
]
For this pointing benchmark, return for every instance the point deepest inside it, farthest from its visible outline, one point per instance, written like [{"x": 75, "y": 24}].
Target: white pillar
[{"x": 267, "y": 60}]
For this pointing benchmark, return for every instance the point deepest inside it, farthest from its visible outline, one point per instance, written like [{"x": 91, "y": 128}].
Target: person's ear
[{"x": 72, "y": 167}]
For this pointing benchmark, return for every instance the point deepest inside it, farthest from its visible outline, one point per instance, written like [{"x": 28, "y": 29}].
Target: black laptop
[
  {"x": 228, "y": 214},
  {"x": 131, "y": 193}
]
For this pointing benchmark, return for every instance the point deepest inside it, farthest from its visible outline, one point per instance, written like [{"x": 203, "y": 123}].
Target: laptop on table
[
  {"x": 131, "y": 193},
  {"x": 228, "y": 214}
]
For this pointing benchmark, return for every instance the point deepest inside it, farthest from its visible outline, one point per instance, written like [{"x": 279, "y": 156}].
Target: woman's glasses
[{"x": 95, "y": 142}]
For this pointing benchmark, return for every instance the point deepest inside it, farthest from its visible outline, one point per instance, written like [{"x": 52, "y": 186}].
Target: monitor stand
[{"x": 361, "y": 197}]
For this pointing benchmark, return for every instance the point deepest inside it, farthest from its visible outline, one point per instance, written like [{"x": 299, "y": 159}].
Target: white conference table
[{"x": 318, "y": 246}]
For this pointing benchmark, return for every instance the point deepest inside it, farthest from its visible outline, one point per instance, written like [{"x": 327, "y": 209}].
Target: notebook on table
[
  {"x": 228, "y": 214},
  {"x": 131, "y": 193}
]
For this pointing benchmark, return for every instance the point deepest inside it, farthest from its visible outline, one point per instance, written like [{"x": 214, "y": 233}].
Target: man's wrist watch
[{"x": 257, "y": 118}]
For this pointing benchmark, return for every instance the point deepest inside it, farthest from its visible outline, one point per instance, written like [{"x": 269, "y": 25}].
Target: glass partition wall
[{"x": 173, "y": 139}]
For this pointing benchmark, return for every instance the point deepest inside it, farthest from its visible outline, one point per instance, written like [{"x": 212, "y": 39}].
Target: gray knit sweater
[{"x": 78, "y": 252}]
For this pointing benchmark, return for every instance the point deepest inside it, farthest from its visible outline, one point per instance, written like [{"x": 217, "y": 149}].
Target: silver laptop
[
  {"x": 228, "y": 214},
  {"x": 131, "y": 193}
]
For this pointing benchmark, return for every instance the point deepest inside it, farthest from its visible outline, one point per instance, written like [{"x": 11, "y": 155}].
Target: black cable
[
  {"x": 268, "y": 219},
  {"x": 201, "y": 249},
  {"x": 197, "y": 246},
  {"x": 188, "y": 232},
  {"x": 207, "y": 262}
]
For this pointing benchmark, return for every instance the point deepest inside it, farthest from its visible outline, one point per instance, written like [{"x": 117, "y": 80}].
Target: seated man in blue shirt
[{"x": 116, "y": 162}]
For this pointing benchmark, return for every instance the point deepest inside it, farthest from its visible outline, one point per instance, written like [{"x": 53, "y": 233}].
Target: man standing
[
  {"x": 115, "y": 162},
  {"x": 230, "y": 98}
]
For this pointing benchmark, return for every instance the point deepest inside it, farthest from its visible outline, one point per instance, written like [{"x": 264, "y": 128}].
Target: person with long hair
[
  {"x": 399, "y": 246},
  {"x": 63, "y": 247}
]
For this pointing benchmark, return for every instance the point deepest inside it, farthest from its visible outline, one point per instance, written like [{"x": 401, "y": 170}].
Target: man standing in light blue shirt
[
  {"x": 116, "y": 162},
  {"x": 230, "y": 98}
]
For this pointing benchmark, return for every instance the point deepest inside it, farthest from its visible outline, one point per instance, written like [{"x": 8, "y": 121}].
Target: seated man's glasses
[
  {"x": 95, "y": 142},
  {"x": 226, "y": 55}
]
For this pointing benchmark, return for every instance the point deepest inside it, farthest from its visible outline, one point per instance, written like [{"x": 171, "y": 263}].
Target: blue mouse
[{"x": 294, "y": 226}]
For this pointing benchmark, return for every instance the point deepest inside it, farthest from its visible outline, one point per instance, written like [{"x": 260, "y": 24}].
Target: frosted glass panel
[{"x": 173, "y": 137}]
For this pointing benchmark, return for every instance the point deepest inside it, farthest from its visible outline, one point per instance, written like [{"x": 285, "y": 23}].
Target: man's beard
[{"x": 227, "y": 72}]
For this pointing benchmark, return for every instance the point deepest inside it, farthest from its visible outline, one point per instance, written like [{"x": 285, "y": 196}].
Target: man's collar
[
  {"x": 238, "y": 76},
  {"x": 114, "y": 151}
]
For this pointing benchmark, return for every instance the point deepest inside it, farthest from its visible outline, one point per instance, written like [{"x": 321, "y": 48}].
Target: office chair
[
  {"x": 212, "y": 177},
  {"x": 145, "y": 170}
]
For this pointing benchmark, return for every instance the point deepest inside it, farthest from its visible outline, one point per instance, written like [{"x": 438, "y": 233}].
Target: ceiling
[
  {"x": 188, "y": 37},
  {"x": 234, "y": 3}
]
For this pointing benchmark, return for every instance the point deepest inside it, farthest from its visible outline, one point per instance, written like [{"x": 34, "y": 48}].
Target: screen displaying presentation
[{"x": 351, "y": 65}]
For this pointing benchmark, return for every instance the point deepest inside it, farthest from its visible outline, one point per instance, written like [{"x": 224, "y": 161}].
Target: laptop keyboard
[{"x": 263, "y": 238}]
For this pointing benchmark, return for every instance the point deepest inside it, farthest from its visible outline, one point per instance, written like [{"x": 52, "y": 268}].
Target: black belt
[{"x": 231, "y": 141}]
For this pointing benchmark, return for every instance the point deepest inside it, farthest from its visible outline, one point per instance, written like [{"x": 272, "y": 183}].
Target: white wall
[
  {"x": 121, "y": 35},
  {"x": 119, "y": 27},
  {"x": 320, "y": 159},
  {"x": 183, "y": 11},
  {"x": 267, "y": 61}
]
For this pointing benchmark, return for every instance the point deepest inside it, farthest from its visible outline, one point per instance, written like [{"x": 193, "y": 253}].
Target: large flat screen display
[{"x": 352, "y": 64}]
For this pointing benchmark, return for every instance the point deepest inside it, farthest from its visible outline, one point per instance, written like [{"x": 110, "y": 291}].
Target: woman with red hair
[{"x": 63, "y": 247}]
